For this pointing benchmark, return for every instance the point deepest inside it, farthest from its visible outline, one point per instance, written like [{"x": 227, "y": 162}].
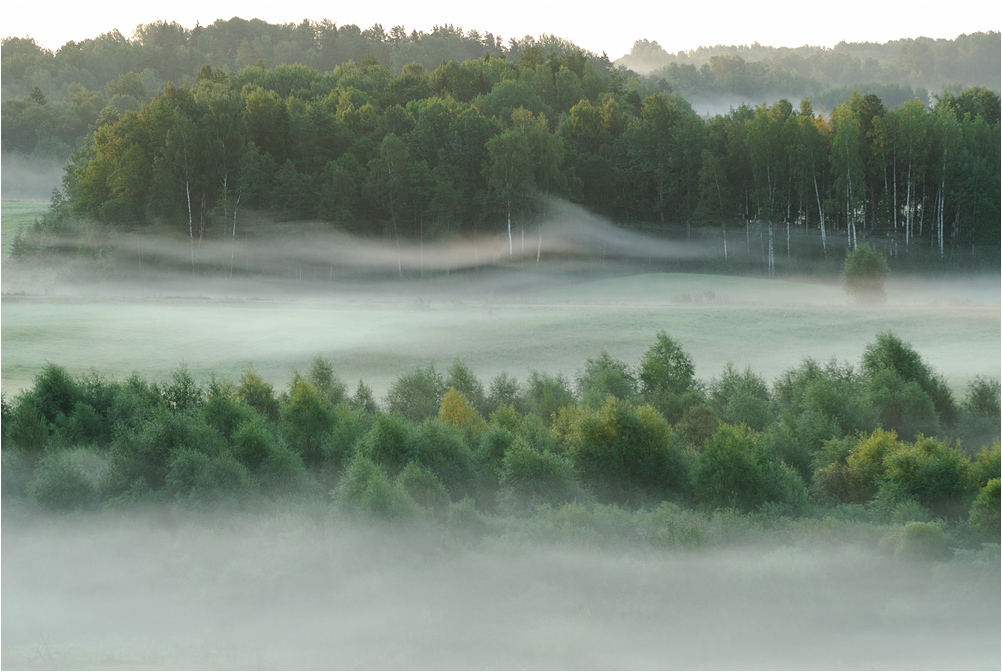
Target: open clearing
[{"x": 494, "y": 322}]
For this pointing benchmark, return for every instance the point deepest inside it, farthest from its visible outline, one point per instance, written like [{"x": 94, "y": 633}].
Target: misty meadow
[{"x": 354, "y": 349}]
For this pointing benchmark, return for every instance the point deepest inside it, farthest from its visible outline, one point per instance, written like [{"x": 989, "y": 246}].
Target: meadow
[{"x": 548, "y": 325}]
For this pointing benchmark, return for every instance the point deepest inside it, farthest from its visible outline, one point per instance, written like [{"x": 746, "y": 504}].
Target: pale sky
[{"x": 608, "y": 27}]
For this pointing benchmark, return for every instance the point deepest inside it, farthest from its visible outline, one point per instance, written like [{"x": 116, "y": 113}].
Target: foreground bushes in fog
[{"x": 886, "y": 441}]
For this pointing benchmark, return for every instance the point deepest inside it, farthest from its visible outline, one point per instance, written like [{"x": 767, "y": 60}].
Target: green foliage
[
  {"x": 389, "y": 443},
  {"x": 987, "y": 464},
  {"x": 666, "y": 369},
  {"x": 367, "y": 490},
  {"x": 55, "y": 392},
  {"x": 984, "y": 398},
  {"x": 546, "y": 394},
  {"x": 505, "y": 391},
  {"x": 604, "y": 377},
  {"x": 984, "y": 517},
  {"x": 425, "y": 488},
  {"x": 253, "y": 441},
  {"x": 60, "y": 484},
  {"x": 918, "y": 542},
  {"x": 741, "y": 398},
  {"x": 903, "y": 405},
  {"x": 736, "y": 471},
  {"x": 530, "y": 478},
  {"x": 863, "y": 274},
  {"x": 462, "y": 379},
  {"x": 442, "y": 448},
  {"x": 322, "y": 377},
  {"x": 696, "y": 425},
  {"x": 196, "y": 477},
  {"x": 224, "y": 411},
  {"x": 307, "y": 419},
  {"x": 935, "y": 474},
  {"x": 417, "y": 394},
  {"x": 26, "y": 430},
  {"x": 623, "y": 453},
  {"x": 363, "y": 399},
  {"x": 891, "y": 353},
  {"x": 258, "y": 393}
]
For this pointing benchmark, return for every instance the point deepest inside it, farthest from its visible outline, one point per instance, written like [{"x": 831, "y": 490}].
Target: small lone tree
[{"x": 863, "y": 274}]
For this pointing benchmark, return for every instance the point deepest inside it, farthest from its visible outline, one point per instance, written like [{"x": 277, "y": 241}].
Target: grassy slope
[{"x": 15, "y": 213}]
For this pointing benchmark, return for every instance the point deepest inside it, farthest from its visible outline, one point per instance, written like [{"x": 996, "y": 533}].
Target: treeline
[
  {"x": 758, "y": 70},
  {"x": 882, "y": 441},
  {"x": 469, "y": 147}
]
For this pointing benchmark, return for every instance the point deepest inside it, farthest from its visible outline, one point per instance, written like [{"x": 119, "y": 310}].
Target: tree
[{"x": 863, "y": 274}]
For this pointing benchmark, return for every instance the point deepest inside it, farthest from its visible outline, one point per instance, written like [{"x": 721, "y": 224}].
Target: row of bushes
[{"x": 822, "y": 436}]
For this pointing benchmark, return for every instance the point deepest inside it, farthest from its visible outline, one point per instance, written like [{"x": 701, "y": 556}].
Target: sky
[{"x": 610, "y": 28}]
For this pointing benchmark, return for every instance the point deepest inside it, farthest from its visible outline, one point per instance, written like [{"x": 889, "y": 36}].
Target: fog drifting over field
[
  {"x": 26, "y": 178},
  {"x": 171, "y": 590}
]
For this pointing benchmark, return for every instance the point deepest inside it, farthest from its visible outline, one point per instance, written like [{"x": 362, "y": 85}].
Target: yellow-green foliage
[
  {"x": 456, "y": 410},
  {"x": 866, "y": 461},
  {"x": 984, "y": 518},
  {"x": 987, "y": 464},
  {"x": 623, "y": 452},
  {"x": 917, "y": 542}
]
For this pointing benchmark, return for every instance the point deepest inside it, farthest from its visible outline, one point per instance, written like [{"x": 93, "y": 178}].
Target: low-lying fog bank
[{"x": 295, "y": 591}]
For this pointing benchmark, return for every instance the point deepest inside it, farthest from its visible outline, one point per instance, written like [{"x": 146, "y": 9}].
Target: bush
[
  {"x": 55, "y": 392},
  {"x": 903, "y": 405},
  {"x": 605, "y": 377},
  {"x": 530, "y": 478},
  {"x": 258, "y": 393},
  {"x": 934, "y": 473},
  {"x": 741, "y": 398},
  {"x": 225, "y": 412},
  {"x": 987, "y": 464},
  {"x": 735, "y": 471},
  {"x": 425, "y": 488},
  {"x": 366, "y": 489},
  {"x": 863, "y": 274},
  {"x": 462, "y": 379},
  {"x": 983, "y": 520},
  {"x": 322, "y": 377},
  {"x": 182, "y": 392},
  {"x": 253, "y": 441},
  {"x": 505, "y": 391},
  {"x": 441, "y": 447},
  {"x": 26, "y": 430},
  {"x": 918, "y": 542},
  {"x": 622, "y": 452},
  {"x": 891, "y": 353},
  {"x": 282, "y": 472},
  {"x": 195, "y": 477},
  {"x": 416, "y": 395},
  {"x": 60, "y": 484},
  {"x": 456, "y": 410},
  {"x": 388, "y": 443},
  {"x": 545, "y": 394},
  {"x": 307, "y": 419}
]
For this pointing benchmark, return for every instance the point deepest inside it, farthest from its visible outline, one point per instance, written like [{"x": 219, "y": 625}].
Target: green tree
[{"x": 863, "y": 274}]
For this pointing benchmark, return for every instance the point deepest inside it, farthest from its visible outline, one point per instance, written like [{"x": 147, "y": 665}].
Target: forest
[{"x": 438, "y": 149}]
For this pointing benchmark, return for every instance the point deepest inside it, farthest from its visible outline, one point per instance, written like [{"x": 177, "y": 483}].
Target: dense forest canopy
[{"x": 452, "y": 134}]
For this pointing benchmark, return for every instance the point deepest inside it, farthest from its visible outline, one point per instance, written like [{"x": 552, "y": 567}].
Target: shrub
[
  {"x": 363, "y": 400},
  {"x": 307, "y": 419},
  {"x": 253, "y": 441},
  {"x": 26, "y": 429},
  {"x": 388, "y": 443},
  {"x": 322, "y": 377},
  {"x": 741, "y": 398},
  {"x": 934, "y": 473},
  {"x": 505, "y": 391},
  {"x": 258, "y": 393},
  {"x": 983, "y": 520},
  {"x": 987, "y": 464},
  {"x": 863, "y": 274},
  {"x": 983, "y": 398},
  {"x": 918, "y": 541},
  {"x": 622, "y": 452},
  {"x": 903, "y": 405},
  {"x": 890, "y": 352},
  {"x": 85, "y": 426},
  {"x": 60, "y": 484},
  {"x": 736, "y": 471},
  {"x": 282, "y": 471},
  {"x": 181, "y": 392},
  {"x": 456, "y": 410},
  {"x": 530, "y": 478},
  {"x": 366, "y": 489},
  {"x": 462, "y": 379},
  {"x": 416, "y": 395},
  {"x": 605, "y": 377},
  {"x": 55, "y": 392},
  {"x": 425, "y": 488},
  {"x": 195, "y": 477},
  {"x": 546, "y": 394},
  {"x": 696, "y": 425},
  {"x": 441, "y": 447},
  {"x": 225, "y": 412}
]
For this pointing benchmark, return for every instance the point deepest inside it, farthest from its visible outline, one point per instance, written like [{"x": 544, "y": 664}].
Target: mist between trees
[
  {"x": 481, "y": 147},
  {"x": 885, "y": 442}
]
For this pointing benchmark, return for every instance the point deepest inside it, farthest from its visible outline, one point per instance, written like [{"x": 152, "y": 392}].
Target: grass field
[
  {"x": 769, "y": 325},
  {"x": 15, "y": 213}
]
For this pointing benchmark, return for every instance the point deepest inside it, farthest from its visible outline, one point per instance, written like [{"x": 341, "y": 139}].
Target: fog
[
  {"x": 27, "y": 178},
  {"x": 305, "y": 589}
]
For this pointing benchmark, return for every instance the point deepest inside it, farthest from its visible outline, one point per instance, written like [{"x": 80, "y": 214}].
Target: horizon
[{"x": 682, "y": 29}]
